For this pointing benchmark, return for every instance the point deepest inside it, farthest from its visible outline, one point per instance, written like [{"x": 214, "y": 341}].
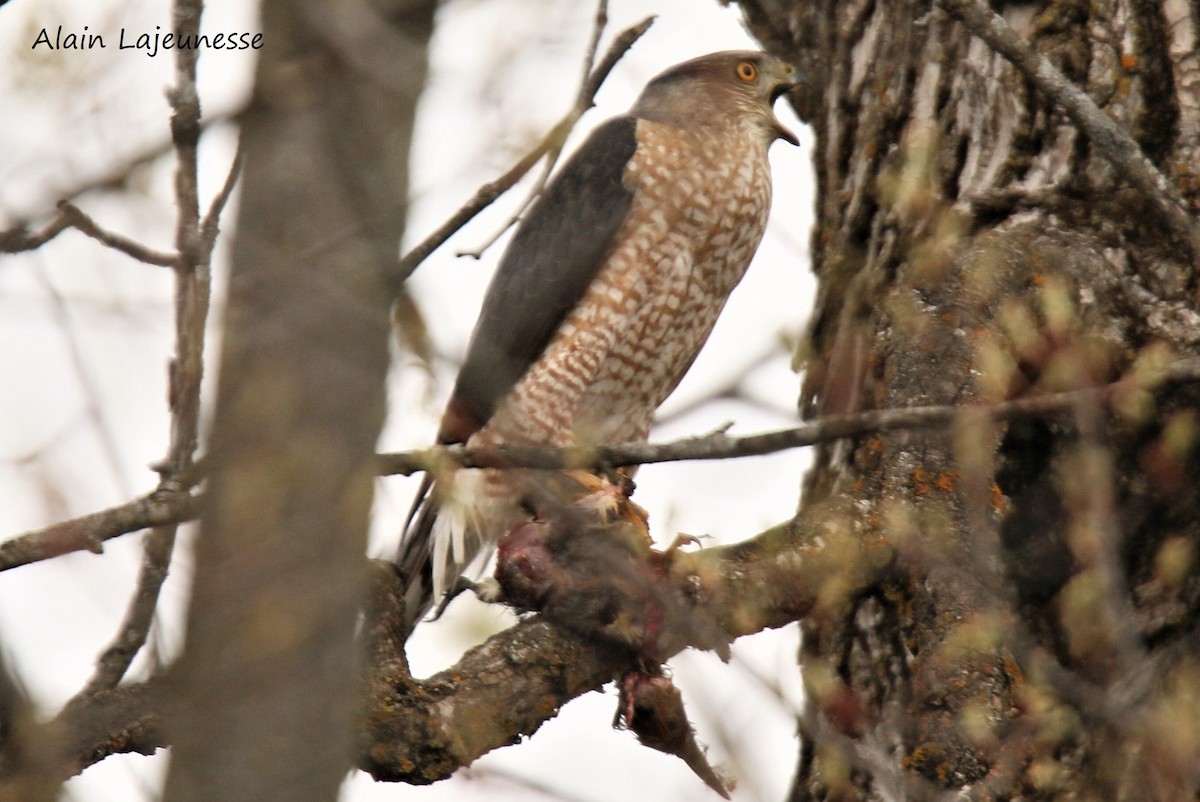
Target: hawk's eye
[{"x": 747, "y": 71}]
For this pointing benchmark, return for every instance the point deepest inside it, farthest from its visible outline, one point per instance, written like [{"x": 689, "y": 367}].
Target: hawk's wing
[{"x": 553, "y": 257}]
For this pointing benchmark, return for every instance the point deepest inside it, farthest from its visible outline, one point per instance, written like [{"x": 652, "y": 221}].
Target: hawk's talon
[{"x": 460, "y": 585}]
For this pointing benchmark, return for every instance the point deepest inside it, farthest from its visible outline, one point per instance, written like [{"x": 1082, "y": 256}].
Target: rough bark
[
  {"x": 971, "y": 244},
  {"x": 262, "y": 703}
]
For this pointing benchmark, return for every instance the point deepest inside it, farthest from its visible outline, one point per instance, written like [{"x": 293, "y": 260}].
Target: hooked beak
[{"x": 790, "y": 78}]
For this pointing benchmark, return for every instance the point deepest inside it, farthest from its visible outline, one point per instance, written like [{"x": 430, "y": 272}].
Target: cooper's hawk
[{"x": 609, "y": 287}]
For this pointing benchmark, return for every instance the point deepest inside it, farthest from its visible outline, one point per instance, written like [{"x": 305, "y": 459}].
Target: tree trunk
[
  {"x": 269, "y": 684},
  {"x": 1038, "y": 636}
]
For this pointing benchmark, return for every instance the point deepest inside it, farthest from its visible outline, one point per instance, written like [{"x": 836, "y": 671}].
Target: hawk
[{"x": 607, "y": 291}]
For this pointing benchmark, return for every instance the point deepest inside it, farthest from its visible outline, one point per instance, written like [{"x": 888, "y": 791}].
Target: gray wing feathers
[
  {"x": 549, "y": 264},
  {"x": 553, "y": 257}
]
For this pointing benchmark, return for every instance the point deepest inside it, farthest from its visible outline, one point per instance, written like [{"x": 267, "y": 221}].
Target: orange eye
[{"x": 747, "y": 71}]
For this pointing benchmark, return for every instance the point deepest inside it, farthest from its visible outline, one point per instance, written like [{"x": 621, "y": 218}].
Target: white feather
[{"x": 456, "y": 532}]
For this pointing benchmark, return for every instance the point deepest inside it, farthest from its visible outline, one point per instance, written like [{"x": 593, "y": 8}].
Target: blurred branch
[
  {"x": 84, "y": 368},
  {"x": 583, "y": 102},
  {"x": 1098, "y": 550},
  {"x": 1108, "y": 137},
  {"x": 16, "y": 238},
  {"x": 731, "y": 388},
  {"x": 488, "y": 193}
]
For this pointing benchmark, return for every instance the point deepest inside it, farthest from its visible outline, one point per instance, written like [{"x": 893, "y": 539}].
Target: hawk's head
[{"x": 733, "y": 85}]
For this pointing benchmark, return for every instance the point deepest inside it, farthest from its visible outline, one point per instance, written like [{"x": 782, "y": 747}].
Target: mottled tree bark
[
  {"x": 1039, "y": 638},
  {"x": 263, "y": 701}
]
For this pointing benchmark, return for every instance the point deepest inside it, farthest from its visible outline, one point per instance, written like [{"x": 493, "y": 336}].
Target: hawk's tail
[
  {"x": 415, "y": 557},
  {"x": 441, "y": 538}
]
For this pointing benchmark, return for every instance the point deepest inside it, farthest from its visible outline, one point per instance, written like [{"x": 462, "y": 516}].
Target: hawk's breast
[{"x": 700, "y": 206}]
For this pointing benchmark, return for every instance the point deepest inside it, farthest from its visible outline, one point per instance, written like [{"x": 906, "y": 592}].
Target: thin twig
[
  {"x": 114, "y": 661},
  {"x": 192, "y": 290},
  {"x": 19, "y": 238},
  {"x": 88, "y": 532},
  {"x": 191, "y": 270},
  {"x": 78, "y": 220},
  {"x": 210, "y": 226},
  {"x": 720, "y": 446},
  {"x": 1098, "y": 538},
  {"x": 164, "y": 507},
  {"x": 83, "y": 368},
  {"x": 731, "y": 388},
  {"x": 582, "y": 103},
  {"x": 1112, "y": 142},
  {"x": 589, "y": 58},
  {"x": 114, "y": 175},
  {"x": 488, "y": 193},
  {"x": 71, "y": 216}
]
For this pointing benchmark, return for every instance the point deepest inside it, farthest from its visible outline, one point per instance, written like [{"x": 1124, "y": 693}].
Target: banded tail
[{"x": 442, "y": 537}]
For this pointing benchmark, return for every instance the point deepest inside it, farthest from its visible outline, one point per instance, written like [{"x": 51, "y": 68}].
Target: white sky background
[{"x": 85, "y": 334}]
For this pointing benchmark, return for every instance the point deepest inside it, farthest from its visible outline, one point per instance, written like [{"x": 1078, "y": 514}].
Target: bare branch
[
  {"x": 488, "y": 193},
  {"x": 192, "y": 278},
  {"x": 19, "y": 238},
  {"x": 77, "y": 219},
  {"x": 118, "y": 721},
  {"x": 589, "y": 58},
  {"x": 94, "y": 410},
  {"x": 210, "y": 226},
  {"x": 71, "y": 216},
  {"x": 114, "y": 661},
  {"x": 1115, "y": 144},
  {"x": 192, "y": 290},
  {"x": 583, "y": 101},
  {"x": 720, "y": 446},
  {"x": 1098, "y": 545},
  {"x": 166, "y": 506},
  {"x": 113, "y": 174},
  {"x": 88, "y": 532},
  {"x": 511, "y": 684}
]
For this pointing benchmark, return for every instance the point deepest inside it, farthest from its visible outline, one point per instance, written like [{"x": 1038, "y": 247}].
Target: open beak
[{"x": 789, "y": 79}]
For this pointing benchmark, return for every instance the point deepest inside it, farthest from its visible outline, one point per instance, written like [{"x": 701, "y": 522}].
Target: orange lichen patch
[
  {"x": 1129, "y": 60},
  {"x": 947, "y": 480},
  {"x": 1038, "y": 280},
  {"x": 1013, "y": 669},
  {"x": 999, "y": 502},
  {"x": 925, "y": 482},
  {"x": 921, "y": 482}
]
